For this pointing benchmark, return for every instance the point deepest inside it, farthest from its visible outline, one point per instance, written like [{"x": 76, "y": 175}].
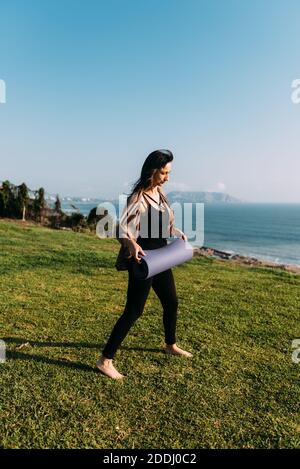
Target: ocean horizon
[{"x": 266, "y": 231}]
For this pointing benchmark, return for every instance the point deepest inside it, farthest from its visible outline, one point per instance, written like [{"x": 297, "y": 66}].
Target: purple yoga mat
[{"x": 161, "y": 259}]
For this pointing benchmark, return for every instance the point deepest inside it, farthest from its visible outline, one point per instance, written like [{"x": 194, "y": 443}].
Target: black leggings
[{"x": 138, "y": 290}]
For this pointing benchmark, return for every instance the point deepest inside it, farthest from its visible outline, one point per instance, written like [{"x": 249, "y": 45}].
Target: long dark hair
[{"x": 156, "y": 160}]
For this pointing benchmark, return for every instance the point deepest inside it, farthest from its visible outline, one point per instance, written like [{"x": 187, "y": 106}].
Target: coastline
[
  {"x": 245, "y": 232},
  {"x": 206, "y": 251},
  {"x": 203, "y": 251}
]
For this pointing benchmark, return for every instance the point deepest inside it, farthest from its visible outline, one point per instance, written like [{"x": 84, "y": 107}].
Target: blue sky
[{"x": 94, "y": 86}]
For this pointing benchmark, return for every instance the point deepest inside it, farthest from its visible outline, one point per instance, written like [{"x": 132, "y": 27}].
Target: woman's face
[{"x": 162, "y": 175}]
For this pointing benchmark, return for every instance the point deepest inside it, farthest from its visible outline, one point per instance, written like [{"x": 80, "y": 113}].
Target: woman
[{"x": 146, "y": 222}]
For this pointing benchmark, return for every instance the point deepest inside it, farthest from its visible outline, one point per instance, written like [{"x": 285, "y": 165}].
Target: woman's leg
[
  {"x": 164, "y": 286},
  {"x": 137, "y": 293}
]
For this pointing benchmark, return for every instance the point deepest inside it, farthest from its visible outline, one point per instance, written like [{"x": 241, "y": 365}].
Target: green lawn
[{"x": 60, "y": 297}]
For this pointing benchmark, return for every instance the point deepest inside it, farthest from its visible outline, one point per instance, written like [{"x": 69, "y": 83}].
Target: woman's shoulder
[
  {"x": 137, "y": 198},
  {"x": 133, "y": 198},
  {"x": 163, "y": 195}
]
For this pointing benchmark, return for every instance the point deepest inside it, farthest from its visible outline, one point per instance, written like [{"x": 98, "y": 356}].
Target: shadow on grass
[
  {"x": 12, "y": 355},
  {"x": 20, "y": 340},
  {"x": 34, "y": 343},
  {"x": 16, "y": 355}
]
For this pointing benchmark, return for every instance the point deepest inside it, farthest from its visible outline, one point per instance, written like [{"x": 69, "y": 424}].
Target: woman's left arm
[
  {"x": 174, "y": 231},
  {"x": 177, "y": 232}
]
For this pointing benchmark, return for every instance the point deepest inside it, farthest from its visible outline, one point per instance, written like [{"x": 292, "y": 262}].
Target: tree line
[
  {"x": 17, "y": 201},
  {"x": 20, "y": 202}
]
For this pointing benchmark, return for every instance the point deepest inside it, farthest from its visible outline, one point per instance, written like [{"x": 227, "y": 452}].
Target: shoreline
[
  {"x": 239, "y": 259},
  {"x": 203, "y": 251}
]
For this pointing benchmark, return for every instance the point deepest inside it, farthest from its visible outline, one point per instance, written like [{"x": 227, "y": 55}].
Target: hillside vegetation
[{"x": 61, "y": 296}]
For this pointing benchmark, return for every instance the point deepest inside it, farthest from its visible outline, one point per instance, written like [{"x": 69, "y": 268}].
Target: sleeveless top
[
  {"x": 153, "y": 226},
  {"x": 129, "y": 225}
]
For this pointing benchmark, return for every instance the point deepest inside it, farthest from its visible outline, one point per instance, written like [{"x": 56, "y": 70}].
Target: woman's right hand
[{"x": 135, "y": 249}]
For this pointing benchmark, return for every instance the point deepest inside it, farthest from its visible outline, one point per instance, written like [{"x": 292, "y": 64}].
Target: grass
[{"x": 60, "y": 297}]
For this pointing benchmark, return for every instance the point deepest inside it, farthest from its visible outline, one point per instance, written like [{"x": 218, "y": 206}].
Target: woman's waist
[{"x": 151, "y": 243}]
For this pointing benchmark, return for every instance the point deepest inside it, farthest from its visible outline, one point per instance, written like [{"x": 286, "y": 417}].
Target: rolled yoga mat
[{"x": 161, "y": 259}]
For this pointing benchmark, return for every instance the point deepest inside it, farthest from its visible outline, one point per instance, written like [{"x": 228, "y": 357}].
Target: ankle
[{"x": 105, "y": 361}]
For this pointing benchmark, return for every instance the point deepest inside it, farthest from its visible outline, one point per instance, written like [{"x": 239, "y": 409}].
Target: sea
[{"x": 266, "y": 231}]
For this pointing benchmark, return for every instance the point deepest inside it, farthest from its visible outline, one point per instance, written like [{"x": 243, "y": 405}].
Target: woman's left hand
[{"x": 184, "y": 237}]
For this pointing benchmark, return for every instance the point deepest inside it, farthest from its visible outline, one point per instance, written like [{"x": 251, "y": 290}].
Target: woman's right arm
[
  {"x": 135, "y": 250},
  {"x": 128, "y": 228}
]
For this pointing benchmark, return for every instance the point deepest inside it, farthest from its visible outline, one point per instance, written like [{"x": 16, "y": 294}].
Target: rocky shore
[{"x": 244, "y": 260}]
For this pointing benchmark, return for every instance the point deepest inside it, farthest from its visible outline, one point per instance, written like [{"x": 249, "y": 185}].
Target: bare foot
[
  {"x": 107, "y": 368},
  {"x": 174, "y": 350}
]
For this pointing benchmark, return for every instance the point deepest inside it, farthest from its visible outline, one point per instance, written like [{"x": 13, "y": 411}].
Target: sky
[{"x": 92, "y": 87}]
